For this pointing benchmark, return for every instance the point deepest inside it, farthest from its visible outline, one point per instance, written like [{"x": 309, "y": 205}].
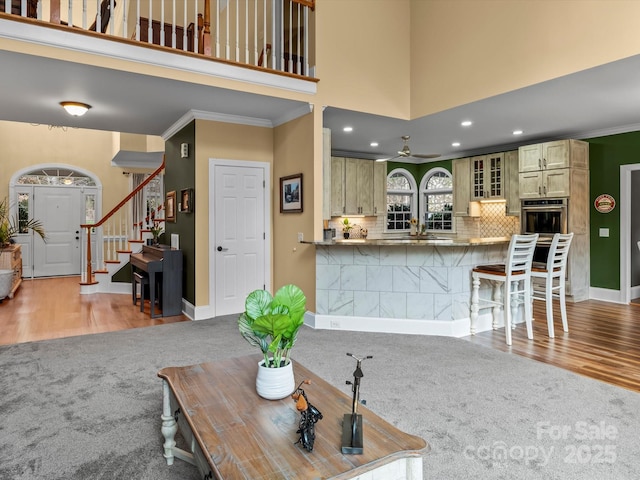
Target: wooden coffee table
[{"x": 232, "y": 433}]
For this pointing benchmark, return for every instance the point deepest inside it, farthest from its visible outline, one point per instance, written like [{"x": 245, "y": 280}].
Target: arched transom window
[
  {"x": 436, "y": 194},
  {"x": 401, "y": 200}
]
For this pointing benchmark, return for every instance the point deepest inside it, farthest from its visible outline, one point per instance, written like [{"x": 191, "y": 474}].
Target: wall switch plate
[
  {"x": 604, "y": 232},
  {"x": 300, "y": 236},
  {"x": 184, "y": 150}
]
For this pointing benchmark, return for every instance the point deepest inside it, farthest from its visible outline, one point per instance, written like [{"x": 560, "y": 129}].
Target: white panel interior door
[
  {"x": 59, "y": 210},
  {"x": 239, "y": 246}
]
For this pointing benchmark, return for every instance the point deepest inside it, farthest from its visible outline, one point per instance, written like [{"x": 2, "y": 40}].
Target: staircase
[{"x": 108, "y": 244}]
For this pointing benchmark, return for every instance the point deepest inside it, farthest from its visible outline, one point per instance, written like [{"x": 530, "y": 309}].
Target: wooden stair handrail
[
  {"x": 89, "y": 226},
  {"x": 126, "y": 199},
  {"x": 306, "y": 3}
]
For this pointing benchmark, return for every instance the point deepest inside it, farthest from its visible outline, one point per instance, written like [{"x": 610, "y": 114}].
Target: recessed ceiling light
[
  {"x": 455, "y": 144},
  {"x": 467, "y": 123},
  {"x": 374, "y": 144},
  {"x": 518, "y": 132},
  {"x": 347, "y": 129}
]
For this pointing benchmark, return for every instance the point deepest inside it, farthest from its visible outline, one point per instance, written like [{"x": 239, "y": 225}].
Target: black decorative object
[
  {"x": 309, "y": 415},
  {"x": 352, "y": 442}
]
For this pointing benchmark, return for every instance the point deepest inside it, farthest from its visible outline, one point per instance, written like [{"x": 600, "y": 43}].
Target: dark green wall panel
[
  {"x": 418, "y": 171},
  {"x": 606, "y": 154},
  {"x": 180, "y": 174}
]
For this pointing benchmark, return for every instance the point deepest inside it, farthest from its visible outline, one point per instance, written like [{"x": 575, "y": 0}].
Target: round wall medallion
[{"x": 604, "y": 203}]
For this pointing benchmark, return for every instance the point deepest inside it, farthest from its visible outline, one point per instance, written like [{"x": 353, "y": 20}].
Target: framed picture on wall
[
  {"x": 291, "y": 194},
  {"x": 186, "y": 200},
  {"x": 170, "y": 207}
]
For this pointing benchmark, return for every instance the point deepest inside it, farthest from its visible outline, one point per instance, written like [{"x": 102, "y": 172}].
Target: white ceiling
[{"x": 595, "y": 102}]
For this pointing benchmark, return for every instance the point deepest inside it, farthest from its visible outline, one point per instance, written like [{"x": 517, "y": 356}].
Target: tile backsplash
[{"x": 492, "y": 222}]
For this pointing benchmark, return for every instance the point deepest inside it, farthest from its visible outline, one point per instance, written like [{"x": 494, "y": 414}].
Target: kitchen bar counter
[
  {"x": 418, "y": 240},
  {"x": 402, "y": 285}
]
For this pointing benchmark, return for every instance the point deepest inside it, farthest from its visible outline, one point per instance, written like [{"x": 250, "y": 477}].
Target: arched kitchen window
[
  {"x": 436, "y": 200},
  {"x": 401, "y": 200}
]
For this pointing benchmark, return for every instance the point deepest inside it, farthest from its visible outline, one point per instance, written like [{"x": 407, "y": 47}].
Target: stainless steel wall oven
[{"x": 544, "y": 217}]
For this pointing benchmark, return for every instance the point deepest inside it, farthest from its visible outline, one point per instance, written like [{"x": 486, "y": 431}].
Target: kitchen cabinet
[
  {"x": 487, "y": 177},
  {"x": 11, "y": 259},
  {"x": 461, "y": 170},
  {"x": 379, "y": 188},
  {"x": 337, "y": 186},
  {"x": 512, "y": 183},
  {"x": 358, "y": 187},
  {"x": 326, "y": 174},
  {"x": 554, "y": 155},
  {"x": 552, "y": 169},
  {"x": 543, "y": 184}
]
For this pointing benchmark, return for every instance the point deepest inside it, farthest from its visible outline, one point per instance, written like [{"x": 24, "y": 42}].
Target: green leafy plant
[
  {"x": 12, "y": 226},
  {"x": 156, "y": 231},
  {"x": 272, "y": 323},
  {"x": 346, "y": 225}
]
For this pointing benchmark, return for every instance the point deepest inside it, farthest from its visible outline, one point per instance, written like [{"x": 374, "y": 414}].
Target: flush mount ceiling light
[{"x": 76, "y": 109}]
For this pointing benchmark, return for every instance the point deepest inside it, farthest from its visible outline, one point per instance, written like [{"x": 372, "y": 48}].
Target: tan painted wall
[
  {"x": 23, "y": 144},
  {"x": 362, "y": 51},
  {"x": 467, "y": 50},
  {"x": 221, "y": 141},
  {"x": 295, "y": 262}
]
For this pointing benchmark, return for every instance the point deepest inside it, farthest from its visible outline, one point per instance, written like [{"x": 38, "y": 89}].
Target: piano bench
[{"x": 143, "y": 280}]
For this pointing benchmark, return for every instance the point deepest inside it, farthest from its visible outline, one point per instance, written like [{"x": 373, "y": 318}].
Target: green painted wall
[
  {"x": 606, "y": 154},
  {"x": 180, "y": 174},
  {"x": 418, "y": 171}
]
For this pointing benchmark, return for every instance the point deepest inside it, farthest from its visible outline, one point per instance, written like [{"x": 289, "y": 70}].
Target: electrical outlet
[
  {"x": 334, "y": 324},
  {"x": 300, "y": 236}
]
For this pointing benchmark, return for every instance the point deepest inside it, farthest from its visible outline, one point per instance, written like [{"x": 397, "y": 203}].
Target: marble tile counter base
[{"x": 396, "y": 287}]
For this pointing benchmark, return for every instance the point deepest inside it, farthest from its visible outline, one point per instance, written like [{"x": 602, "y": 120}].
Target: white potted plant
[
  {"x": 9, "y": 227},
  {"x": 272, "y": 324}
]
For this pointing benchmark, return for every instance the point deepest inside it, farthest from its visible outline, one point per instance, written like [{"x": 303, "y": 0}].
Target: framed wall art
[
  {"x": 291, "y": 194},
  {"x": 186, "y": 200},
  {"x": 170, "y": 207}
]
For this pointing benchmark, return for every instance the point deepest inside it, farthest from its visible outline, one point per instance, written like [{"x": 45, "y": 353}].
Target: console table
[{"x": 232, "y": 433}]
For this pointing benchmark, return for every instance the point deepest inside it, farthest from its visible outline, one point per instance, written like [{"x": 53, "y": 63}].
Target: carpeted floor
[{"x": 89, "y": 407}]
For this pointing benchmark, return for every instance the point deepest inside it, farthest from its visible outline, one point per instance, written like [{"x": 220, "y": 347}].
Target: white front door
[
  {"x": 59, "y": 210},
  {"x": 239, "y": 237}
]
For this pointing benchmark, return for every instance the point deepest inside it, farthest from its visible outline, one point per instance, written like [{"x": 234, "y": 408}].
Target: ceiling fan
[{"x": 406, "y": 152}]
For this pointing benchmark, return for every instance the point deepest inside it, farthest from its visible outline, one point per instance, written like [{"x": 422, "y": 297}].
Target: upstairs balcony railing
[{"x": 269, "y": 34}]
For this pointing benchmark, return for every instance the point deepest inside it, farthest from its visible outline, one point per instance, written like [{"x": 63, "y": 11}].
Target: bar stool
[
  {"x": 554, "y": 269},
  {"x": 143, "y": 281},
  {"x": 516, "y": 269}
]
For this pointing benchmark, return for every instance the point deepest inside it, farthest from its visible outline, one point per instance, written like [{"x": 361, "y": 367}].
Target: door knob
[{"x": 220, "y": 249}]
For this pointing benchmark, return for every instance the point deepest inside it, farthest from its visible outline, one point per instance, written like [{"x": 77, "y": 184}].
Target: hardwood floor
[
  {"x": 53, "y": 308},
  {"x": 603, "y": 340}
]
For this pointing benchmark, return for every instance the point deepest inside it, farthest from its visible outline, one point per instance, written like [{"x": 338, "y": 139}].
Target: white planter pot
[
  {"x": 275, "y": 383},
  {"x": 6, "y": 279}
]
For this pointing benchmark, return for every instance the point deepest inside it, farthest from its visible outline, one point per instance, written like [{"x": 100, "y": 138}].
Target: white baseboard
[
  {"x": 199, "y": 313},
  {"x": 605, "y": 294},
  {"x": 447, "y": 328}
]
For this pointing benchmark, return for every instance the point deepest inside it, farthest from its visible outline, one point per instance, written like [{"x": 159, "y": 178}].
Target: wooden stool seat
[{"x": 143, "y": 281}]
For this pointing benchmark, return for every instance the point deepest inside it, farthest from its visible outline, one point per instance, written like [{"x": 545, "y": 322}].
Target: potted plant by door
[
  {"x": 272, "y": 324},
  {"x": 9, "y": 227}
]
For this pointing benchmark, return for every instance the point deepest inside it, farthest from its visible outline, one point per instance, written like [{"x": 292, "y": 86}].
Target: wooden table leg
[{"x": 169, "y": 425}]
